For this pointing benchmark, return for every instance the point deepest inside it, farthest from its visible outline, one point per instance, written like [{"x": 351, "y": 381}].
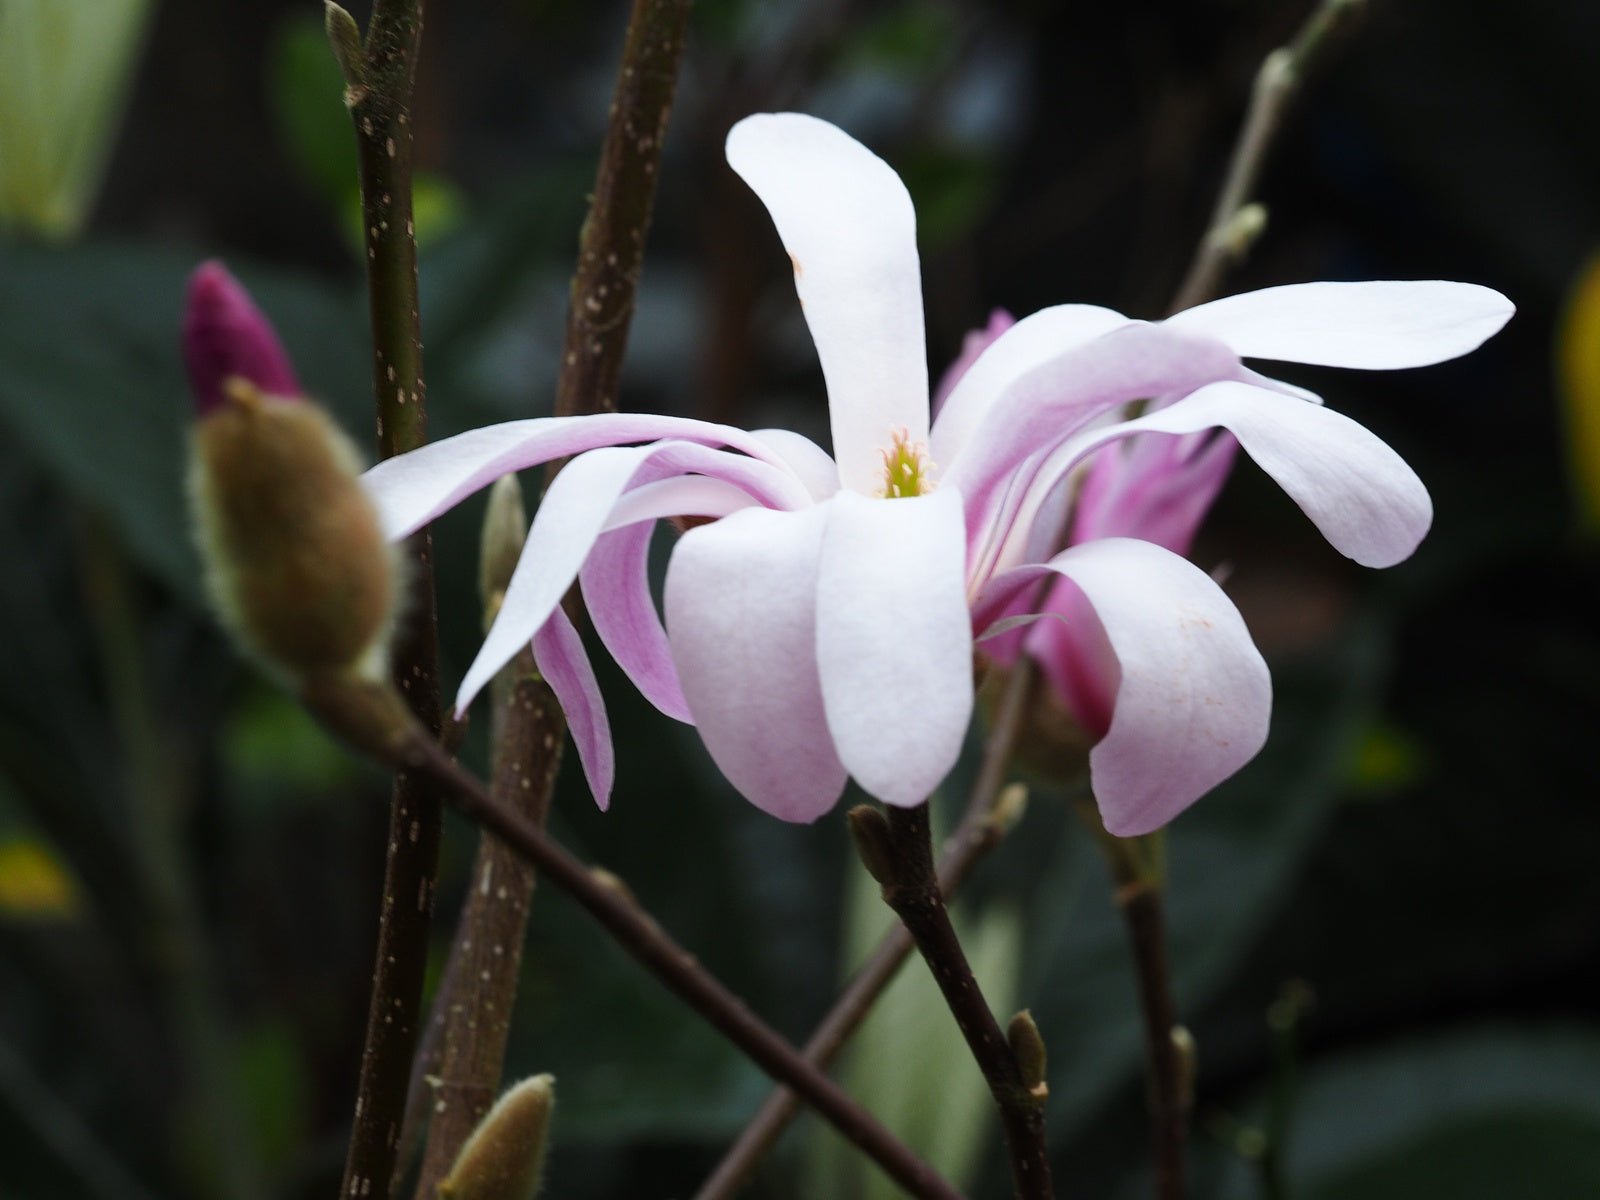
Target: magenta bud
[{"x": 225, "y": 336}]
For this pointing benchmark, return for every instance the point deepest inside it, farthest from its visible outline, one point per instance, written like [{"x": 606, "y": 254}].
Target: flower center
[{"x": 907, "y": 469}]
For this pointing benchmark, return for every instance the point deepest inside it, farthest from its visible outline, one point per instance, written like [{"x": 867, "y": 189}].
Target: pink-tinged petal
[
  {"x": 684, "y": 496},
  {"x": 894, "y": 640},
  {"x": 1152, "y": 487},
  {"x": 616, "y": 591},
  {"x": 577, "y": 508},
  {"x": 558, "y": 653},
  {"x": 412, "y": 489},
  {"x": 1155, "y": 655},
  {"x": 226, "y": 336},
  {"x": 741, "y": 615},
  {"x": 972, "y": 346},
  {"x": 1378, "y": 326},
  {"x": 846, "y": 220},
  {"x": 810, "y": 463},
  {"x": 1017, "y": 350},
  {"x": 1362, "y": 495},
  {"x": 1011, "y": 462}
]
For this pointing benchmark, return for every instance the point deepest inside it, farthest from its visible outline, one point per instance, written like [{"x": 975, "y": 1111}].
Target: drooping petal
[
  {"x": 846, "y": 220},
  {"x": 894, "y": 641},
  {"x": 1168, "y": 669},
  {"x": 576, "y": 510},
  {"x": 741, "y": 615},
  {"x": 412, "y": 489},
  {"x": 1379, "y": 325},
  {"x": 616, "y": 591},
  {"x": 809, "y": 461},
  {"x": 1362, "y": 495},
  {"x": 559, "y": 654},
  {"x": 1017, "y": 350}
]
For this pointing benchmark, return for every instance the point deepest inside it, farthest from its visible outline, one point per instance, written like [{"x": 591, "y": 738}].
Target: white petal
[
  {"x": 894, "y": 640},
  {"x": 1362, "y": 495},
  {"x": 741, "y": 616},
  {"x": 1030, "y": 342},
  {"x": 809, "y": 461},
  {"x": 559, "y": 654},
  {"x": 577, "y": 509},
  {"x": 1189, "y": 694},
  {"x": 412, "y": 489},
  {"x": 846, "y": 220},
  {"x": 1379, "y": 325}
]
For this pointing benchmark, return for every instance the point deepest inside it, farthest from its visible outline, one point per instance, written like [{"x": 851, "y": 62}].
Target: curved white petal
[
  {"x": 1362, "y": 495},
  {"x": 810, "y": 463},
  {"x": 559, "y": 654},
  {"x": 412, "y": 489},
  {"x": 1029, "y": 343},
  {"x": 1380, "y": 325},
  {"x": 846, "y": 220},
  {"x": 577, "y": 509},
  {"x": 894, "y": 640},
  {"x": 741, "y": 617},
  {"x": 1167, "y": 654},
  {"x": 616, "y": 592}
]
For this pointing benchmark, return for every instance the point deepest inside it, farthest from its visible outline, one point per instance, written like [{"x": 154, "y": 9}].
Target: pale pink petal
[
  {"x": 846, "y": 220},
  {"x": 1380, "y": 325},
  {"x": 894, "y": 640},
  {"x": 1013, "y": 353},
  {"x": 616, "y": 591},
  {"x": 1002, "y": 468},
  {"x": 1155, "y": 655},
  {"x": 1363, "y": 497},
  {"x": 558, "y": 653},
  {"x": 412, "y": 489},
  {"x": 741, "y": 615},
  {"x": 809, "y": 461},
  {"x": 1152, "y": 487},
  {"x": 973, "y": 345},
  {"x": 576, "y": 510}
]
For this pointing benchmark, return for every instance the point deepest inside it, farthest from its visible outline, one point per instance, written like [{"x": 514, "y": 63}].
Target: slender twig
[
  {"x": 474, "y": 998},
  {"x": 896, "y": 845},
  {"x": 368, "y": 717},
  {"x": 1276, "y": 87},
  {"x": 380, "y": 81},
  {"x": 983, "y": 823}
]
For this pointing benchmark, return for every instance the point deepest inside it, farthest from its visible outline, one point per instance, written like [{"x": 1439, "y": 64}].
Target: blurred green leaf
[
  {"x": 307, "y": 96},
  {"x": 911, "y": 40},
  {"x": 1481, "y": 1114},
  {"x": 951, "y": 187}
]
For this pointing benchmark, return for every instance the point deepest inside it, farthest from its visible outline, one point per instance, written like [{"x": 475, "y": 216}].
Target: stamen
[{"x": 907, "y": 469}]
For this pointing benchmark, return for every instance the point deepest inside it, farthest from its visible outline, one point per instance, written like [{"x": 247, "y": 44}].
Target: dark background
[{"x": 1415, "y": 849}]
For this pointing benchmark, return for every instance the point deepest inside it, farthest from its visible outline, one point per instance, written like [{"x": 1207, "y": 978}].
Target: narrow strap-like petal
[
  {"x": 1362, "y": 495},
  {"x": 1029, "y": 343},
  {"x": 1379, "y": 325},
  {"x": 894, "y": 642},
  {"x": 576, "y": 510},
  {"x": 741, "y": 615},
  {"x": 847, "y": 222},
  {"x": 1156, "y": 658},
  {"x": 559, "y": 654},
  {"x": 412, "y": 489},
  {"x": 809, "y": 461},
  {"x": 616, "y": 591}
]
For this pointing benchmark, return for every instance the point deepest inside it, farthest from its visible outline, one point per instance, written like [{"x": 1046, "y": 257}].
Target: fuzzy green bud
[
  {"x": 1027, "y": 1046},
  {"x": 504, "y": 1157},
  {"x": 505, "y": 529},
  {"x": 296, "y": 560},
  {"x": 869, "y": 829}
]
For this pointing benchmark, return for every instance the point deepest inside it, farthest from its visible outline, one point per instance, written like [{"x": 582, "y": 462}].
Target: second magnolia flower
[{"x": 822, "y": 624}]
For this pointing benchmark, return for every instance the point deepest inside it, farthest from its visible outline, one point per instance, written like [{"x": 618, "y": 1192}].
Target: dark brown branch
[
  {"x": 369, "y": 717},
  {"x": 1165, "y": 1041},
  {"x": 474, "y": 998},
  {"x": 897, "y": 847},
  {"x": 988, "y": 817},
  {"x": 378, "y": 95}
]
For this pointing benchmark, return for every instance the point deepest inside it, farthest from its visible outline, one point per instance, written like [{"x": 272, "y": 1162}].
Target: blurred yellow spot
[
  {"x": 1385, "y": 761},
  {"x": 34, "y": 883},
  {"x": 1578, "y": 366}
]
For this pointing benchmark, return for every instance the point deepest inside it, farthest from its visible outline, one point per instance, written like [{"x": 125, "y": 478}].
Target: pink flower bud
[{"x": 225, "y": 336}]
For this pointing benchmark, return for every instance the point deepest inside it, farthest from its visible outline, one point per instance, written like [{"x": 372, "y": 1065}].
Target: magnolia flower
[{"x": 822, "y": 625}]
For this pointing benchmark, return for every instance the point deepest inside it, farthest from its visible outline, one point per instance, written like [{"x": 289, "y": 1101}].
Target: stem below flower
[{"x": 897, "y": 846}]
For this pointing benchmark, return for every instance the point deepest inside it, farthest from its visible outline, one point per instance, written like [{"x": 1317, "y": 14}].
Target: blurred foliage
[
  {"x": 1417, "y": 841},
  {"x": 1578, "y": 357}
]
